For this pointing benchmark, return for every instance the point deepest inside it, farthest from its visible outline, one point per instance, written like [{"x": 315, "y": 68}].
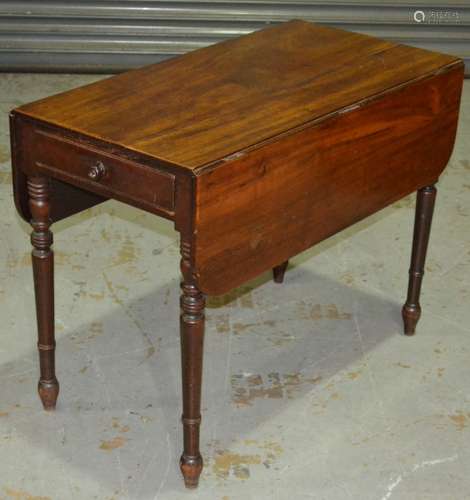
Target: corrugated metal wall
[{"x": 113, "y": 35}]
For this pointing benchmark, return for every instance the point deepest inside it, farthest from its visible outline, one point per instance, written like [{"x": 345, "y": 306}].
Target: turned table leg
[
  {"x": 424, "y": 209},
  {"x": 192, "y": 337},
  {"x": 279, "y": 271},
  {"x": 43, "y": 272}
]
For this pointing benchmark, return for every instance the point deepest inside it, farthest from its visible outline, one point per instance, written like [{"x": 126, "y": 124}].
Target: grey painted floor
[{"x": 310, "y": 389}]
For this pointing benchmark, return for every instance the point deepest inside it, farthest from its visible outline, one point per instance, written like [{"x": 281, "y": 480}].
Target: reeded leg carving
[
  {"x": 279, "y": 271},
  {"x": 192, "y": 337},
  {"x": 43, "y": 272},
  {"x": 424, "y": 209}
]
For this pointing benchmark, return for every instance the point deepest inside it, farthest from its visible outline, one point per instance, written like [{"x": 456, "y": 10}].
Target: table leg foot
[
  {"x": 191, "y": 468},
  {"x": 279, "y": 271},
  {"x": 192, "y": 339},
  {"x": 411, "y": 311},
  {"x": 48, "y": 392},
  {"x": 43, "y": 273},
  {"x": 410, "y": 315}
]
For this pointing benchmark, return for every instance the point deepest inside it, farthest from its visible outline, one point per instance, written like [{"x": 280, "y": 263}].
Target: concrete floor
[{"x": 310, "y": 388}]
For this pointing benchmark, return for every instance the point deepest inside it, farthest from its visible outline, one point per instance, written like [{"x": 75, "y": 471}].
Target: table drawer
[{"x": 103, "y": 172}]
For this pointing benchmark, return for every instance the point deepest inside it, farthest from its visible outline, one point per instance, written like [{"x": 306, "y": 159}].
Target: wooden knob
[{"x": 97, "y": 171}]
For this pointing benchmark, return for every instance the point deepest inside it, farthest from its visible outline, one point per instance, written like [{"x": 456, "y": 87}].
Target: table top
[{"x": 214, "y": 103}]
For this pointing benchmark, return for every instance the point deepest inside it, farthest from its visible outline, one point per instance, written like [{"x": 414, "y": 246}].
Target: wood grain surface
[
  {"x": 279, "y": 199},
  {"x": 215, "y": 102}
]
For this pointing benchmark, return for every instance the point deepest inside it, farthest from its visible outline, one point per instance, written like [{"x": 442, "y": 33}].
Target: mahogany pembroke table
[{"x": 257, "y": 148}]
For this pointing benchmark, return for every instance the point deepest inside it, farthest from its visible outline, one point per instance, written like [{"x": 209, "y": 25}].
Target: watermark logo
[
  {"x": 419, "y": 16},
  {"x": 436, "y": 17}
]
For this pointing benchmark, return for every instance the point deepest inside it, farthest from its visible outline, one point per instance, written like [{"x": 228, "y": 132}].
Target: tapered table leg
[
  {"x": 424, "y": 210},
  {"x": 43, "y": 272},
  {"x": 192, "y": 337},
  {"x": 279, "y": 271}
]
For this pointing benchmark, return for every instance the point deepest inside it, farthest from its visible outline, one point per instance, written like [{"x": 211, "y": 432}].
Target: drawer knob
[{"x": 97, "y": 171}]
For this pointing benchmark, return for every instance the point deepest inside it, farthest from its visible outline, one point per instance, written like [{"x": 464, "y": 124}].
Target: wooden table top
[{"x": 200, "y": 108}]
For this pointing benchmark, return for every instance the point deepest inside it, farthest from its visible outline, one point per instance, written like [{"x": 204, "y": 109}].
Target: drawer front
[{"x": 103, "y": 172}]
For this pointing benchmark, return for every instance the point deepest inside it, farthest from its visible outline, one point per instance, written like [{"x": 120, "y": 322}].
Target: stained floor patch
[
  {"x": 321, "y": 311},
  {"x": 227, "y": 463},
  {"x": 248, "y": 387},
  {"x": 460, "y": 419},
  {"x": 112, "y": 444},
  {"x": 22, "y": 495},
  {"x": 127, "y": 252},
  {"x": 5, "y": 178},
  {"x": 4, "y": 153}
]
